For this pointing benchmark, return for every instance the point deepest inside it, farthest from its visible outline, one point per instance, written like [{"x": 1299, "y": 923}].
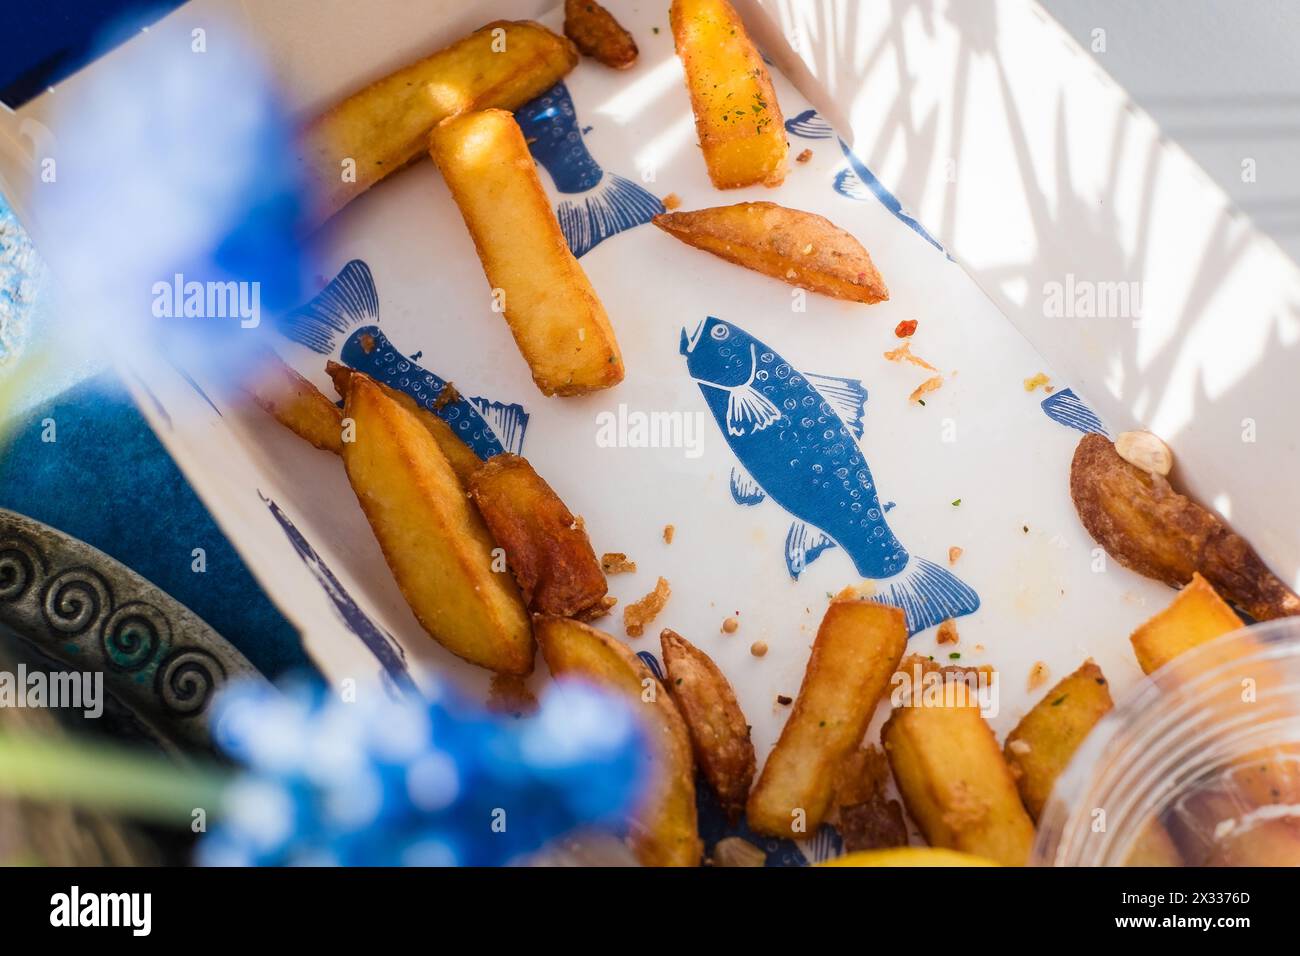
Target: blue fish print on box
[
  {"x": 796, "y": 435},
  {"x": 611, "y": 205},
  {"x": 1068, "y": 409},
  {"x": 857, "y": 181},
  {"x": 349, "y": 306},
  {"x": 379, "y": 642}
]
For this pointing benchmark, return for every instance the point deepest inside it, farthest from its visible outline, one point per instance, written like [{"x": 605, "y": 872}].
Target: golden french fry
[
  {"x": 800, "y": 248},
  {"x": 664, "y": 827},
  {"x": 741, "y": 130},
  {"x": 1147, "y": 526},
  {"x": 557, "y": 320},
  {"x": 718, "y": 729},
  {"x": 1041, "y": 745},
  {"x": 597, "y": 34},
  {"x": 1195, "y": 616},
  {"x": 294, "y": 402},
  {"x": 383, "y": 127},
  {"x": 462, "y": 458},
  {"x": 955, "y": 784},
  {"x": 857, "y": 650},
  {"x": 546, "y": 548},
  {"x": 1154, "y": 847},
  {"x": 433, "y": 539}
]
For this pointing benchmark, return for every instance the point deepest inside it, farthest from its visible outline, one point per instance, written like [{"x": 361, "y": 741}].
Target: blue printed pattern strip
[
  {"x": 795, "y": 436},
  {"x": 1068, "y": 409},
  {"x": 378, "y": 641},
  {"x": 610, "y": 204},
  {"x": 856, "y": 181},
  {"x": 346, "y": 310}
]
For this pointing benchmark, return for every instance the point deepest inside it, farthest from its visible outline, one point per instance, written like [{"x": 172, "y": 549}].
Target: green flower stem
[{"x": 109, "y": 778}]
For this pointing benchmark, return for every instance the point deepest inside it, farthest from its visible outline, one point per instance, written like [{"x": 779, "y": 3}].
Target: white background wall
[{"x": 1222, "y": 78}]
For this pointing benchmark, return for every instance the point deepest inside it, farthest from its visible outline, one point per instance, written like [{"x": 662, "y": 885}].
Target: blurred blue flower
[
  {"x": 173, "y": 173},
  {"x": 384, "y": 781}
]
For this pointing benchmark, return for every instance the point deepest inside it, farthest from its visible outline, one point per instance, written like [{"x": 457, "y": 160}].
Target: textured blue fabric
[{"x": 108, "y": 481}]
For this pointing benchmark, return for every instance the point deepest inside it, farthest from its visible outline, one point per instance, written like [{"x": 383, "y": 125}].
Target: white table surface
[{"x": 1222, "y": 78}]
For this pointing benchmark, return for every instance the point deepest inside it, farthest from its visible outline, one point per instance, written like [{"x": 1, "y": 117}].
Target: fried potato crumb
[
  {"x": 672, "y": 201},
  {"x": 448, "y": 396},
  {"x": 597, "y": 610},
  {"x": 669, "y": 531},
  {"x": 758, "y": 648},
  {"x": 929, "y": 385},
  {"x": 948, "y": 632},
  {"x": 640, "y": 613},
  {"x": 731, "y": 625},
  {"x": 803, "y": 157},
  {"x": 616, "y": 562},
  {"x": 1038, "y": 675},
  {"x": 1034, "y": 382},
  {"x": 904, "y": 354},
  {"x": 1019, "y": 746},
  {"x": 953, "y": 554},
  {"x": 864, "y": 590}
]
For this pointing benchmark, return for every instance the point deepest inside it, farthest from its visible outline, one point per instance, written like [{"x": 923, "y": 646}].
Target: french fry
[
  {"x": 718, "y": 729},
  {"x": 557, "y": 320},
  {"x": 1041, "y": 745},
  {"x": 1195, "y": 616},
  {"x": 857, "y": 649},
  {"x": 1147, "y": 526},
  {"x": 598, "y": 35},
  {"x": 383, "y": 127},
  {"x": 737, "y": 119},
  {"x": 294, "y": 402},
  {"x": 546, "y": 548},
  {"x": 433, "y": 539},
  {"x": 799, "y": 248},
  {"x": 462, "y": 458},
  {"x": 955, "y": 784},
  {"x": 664, "y": 827},
  {"x": 1154, "y": 847}
]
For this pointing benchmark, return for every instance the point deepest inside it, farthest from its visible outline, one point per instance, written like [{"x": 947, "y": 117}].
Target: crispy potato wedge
[
  {"x": 546, "y": 547},
  {"x": 462, "y": 458},
  {"x": 865, "y": 816},
  {"x": 1195, "y": 616},
  {"x": 596, "y": 34},
  {"x": 294, "y": 402},
  {"x": 737, "y": 118},
  {"x": 664, "y": 828},
  {"x": 384, "y": 126},
  {"x": 718, "y": 729},
  {"x": 433, "y": 539},
  {"x": 1041, "y": 745},
  {"x": 955, "y": 784},
  {"x": 557, "y": 320},
  {"x": 857, "y": 649},
  {"x": 1147, "y": 526},
  {"x": 800, "y": 248}
]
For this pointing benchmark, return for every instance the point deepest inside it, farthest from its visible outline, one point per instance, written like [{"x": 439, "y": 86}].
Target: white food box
[{"x": 1020, "y": 208}]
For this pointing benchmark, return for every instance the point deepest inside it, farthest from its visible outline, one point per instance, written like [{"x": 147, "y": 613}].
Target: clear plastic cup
[{"x": 1197, "y": 765}]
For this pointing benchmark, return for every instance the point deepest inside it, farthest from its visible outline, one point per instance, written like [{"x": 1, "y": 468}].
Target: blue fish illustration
[
  {"x": 1068, "y": 409},
  {"x": 379, "y": 642},
  {"x": 611, "y": 205},
  {"x": 796, "y": 435},
  {"x": 856, "y": 181},
  {"x": 348, "y": 308}
]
